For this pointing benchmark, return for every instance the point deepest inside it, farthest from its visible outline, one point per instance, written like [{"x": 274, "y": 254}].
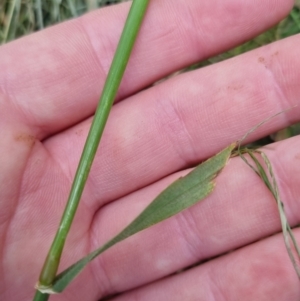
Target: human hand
[{"x": 49, "y": 86}]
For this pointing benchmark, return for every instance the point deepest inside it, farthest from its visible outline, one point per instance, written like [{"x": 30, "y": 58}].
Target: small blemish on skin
[
  {"x": 297, "y": 157},
  {"x": 235, "y": 87},
  {"x": 261, "y": 59},
  {"x": 26, "y": 138},
  {"x": 79, "y": 132}
]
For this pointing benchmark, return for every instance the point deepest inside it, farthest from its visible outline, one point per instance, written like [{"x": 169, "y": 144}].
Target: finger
[
  {"x": 52, "y": 79},
  {"x": 185, "y": 120},
  {"x": 240, "y": 211},
  {"x": 261, "y": 271}
]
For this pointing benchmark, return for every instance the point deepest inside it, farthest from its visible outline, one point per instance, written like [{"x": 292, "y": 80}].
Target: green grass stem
[
  {"x": 39, "y": 13},
  {"x": 41, "y": 297},
  {"x": 128, "y": 37},
  {"x": 13, "y": 15}
]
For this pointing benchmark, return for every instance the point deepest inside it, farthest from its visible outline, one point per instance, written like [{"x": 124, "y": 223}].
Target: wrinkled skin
[{"x": 49, "y": 87}]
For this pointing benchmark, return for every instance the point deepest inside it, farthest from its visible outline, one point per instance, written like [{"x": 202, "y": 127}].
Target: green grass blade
[
  {"x": 72, "y": 8},
  {"x": 55, "y": 7},
  {"x": 295, "y": 18},
  {"x": 179, "y": 196},
  {"x": 12, "y": 22},
  {"x": 130, "y": 31},
  {"x": 39, "y": 14}
]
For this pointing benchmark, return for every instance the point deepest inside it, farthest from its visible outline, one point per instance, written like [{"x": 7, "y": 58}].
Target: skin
[{"x": 49, "y": 87}]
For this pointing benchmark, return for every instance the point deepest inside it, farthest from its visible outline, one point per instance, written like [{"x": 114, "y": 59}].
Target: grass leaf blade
[{"x": 179, "y": 196}]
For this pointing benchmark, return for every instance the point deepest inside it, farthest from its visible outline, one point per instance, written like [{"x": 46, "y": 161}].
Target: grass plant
[
  {"x": 112, "y": 83},
  {"x": 22, "y": 17}
]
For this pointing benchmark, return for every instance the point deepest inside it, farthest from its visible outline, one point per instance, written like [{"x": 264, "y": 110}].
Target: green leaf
[{"x": 180, "y": 195}]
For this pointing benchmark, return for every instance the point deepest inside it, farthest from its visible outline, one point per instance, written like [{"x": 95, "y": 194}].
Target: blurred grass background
[{"x": 21, "y": 17}]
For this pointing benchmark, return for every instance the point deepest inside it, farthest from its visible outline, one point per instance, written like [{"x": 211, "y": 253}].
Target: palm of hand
[{"x": 47, "y": 94}]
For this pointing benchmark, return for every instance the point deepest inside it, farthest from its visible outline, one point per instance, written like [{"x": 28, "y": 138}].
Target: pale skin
[{"x": 49, "y": 87}]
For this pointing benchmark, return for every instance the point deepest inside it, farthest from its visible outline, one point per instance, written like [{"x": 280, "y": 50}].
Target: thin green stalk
[
  {"x": 72, "y": 8},
  {"x": 39, "y": 13},
  {"x": 11, "y": 25},
  {"x": 55, "y": 7},
  {"x": 130, "y": 31},
  {"x": 41, "y": 297}
]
